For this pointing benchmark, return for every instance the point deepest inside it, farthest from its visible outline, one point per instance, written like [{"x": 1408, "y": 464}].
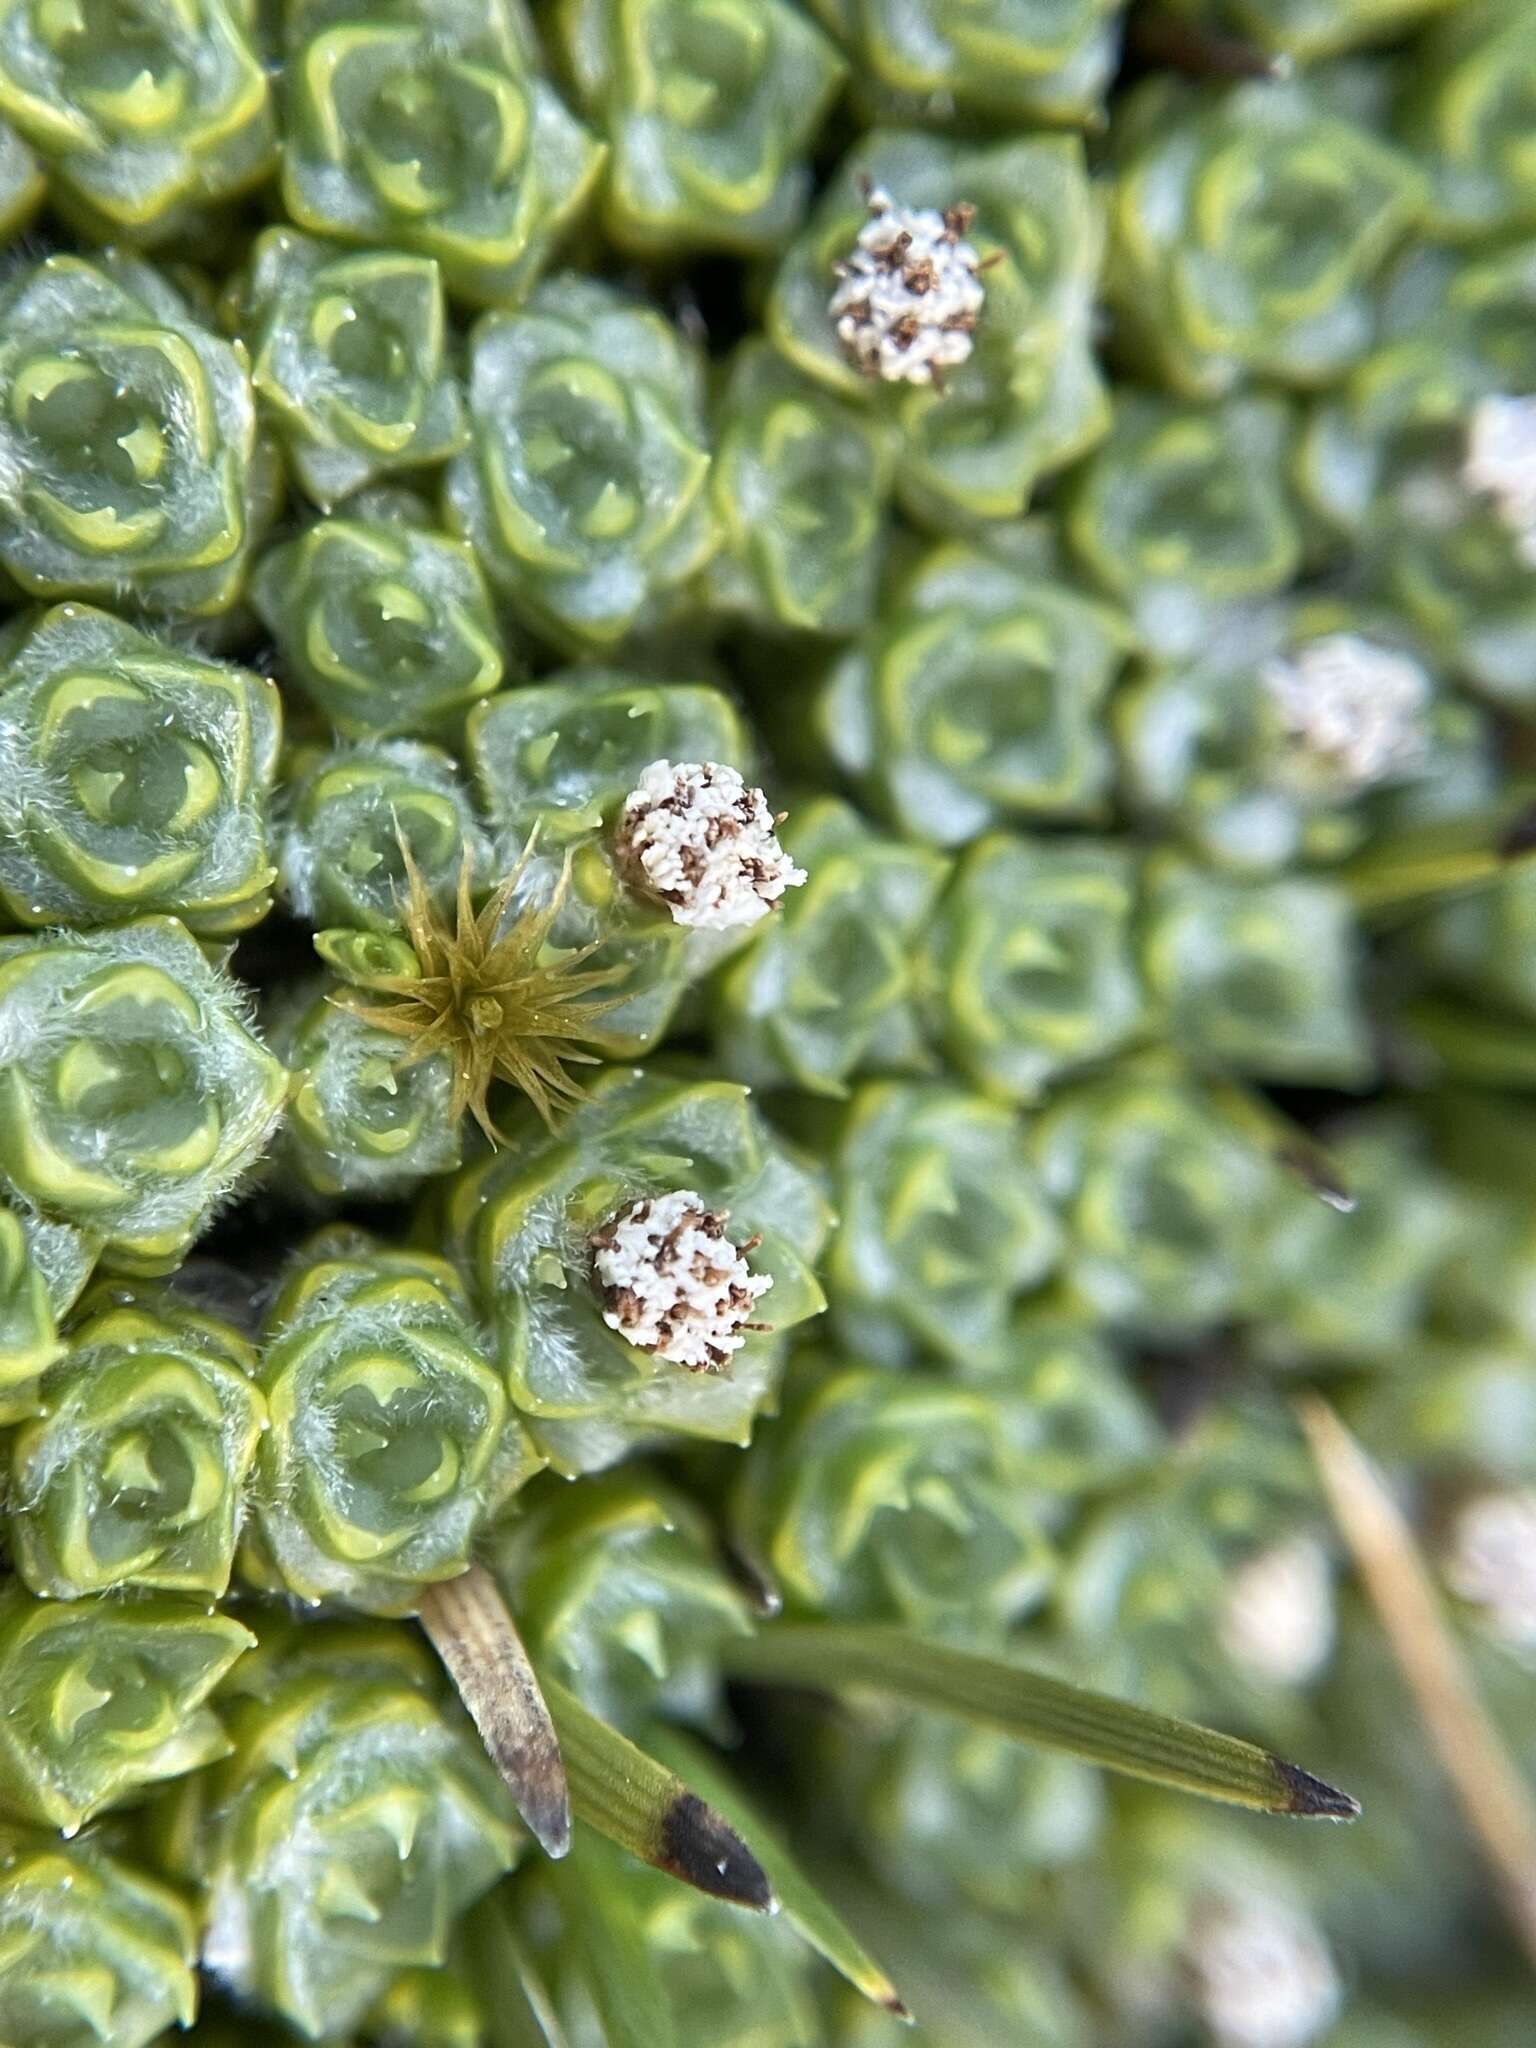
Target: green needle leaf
[
  {"x": 806, "y": 1907},
  {"x": 638, "y": 1803},
  {"x": 1044, "y": 1711}
]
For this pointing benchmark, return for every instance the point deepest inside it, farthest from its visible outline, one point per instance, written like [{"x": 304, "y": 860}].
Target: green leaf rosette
[
  {"x": 1012, "y": 62},
  {"x": 894, "y": 1497},
  {"x": 1387, "y": 465},
  {"x": 134, "y": 1472},
  {"x": 1031, "y": 961},
  {"x": 558, "y": 759},
  {"x": 360, "y": 1121},
  {"x": 425, "y": 126},
  {"x": 91, "y": 1950},
  {"x": 829, "y": 987},
  {"x": 620, "y": 1591},
  {"x": 976, "y": 699},
  {"x": 1477, "y": 946},
  {"x": 134, "y": 778},
  {"x": 1030, "y": 398},
  {"x": 941, "y": 1225},
  {"x": 1162, "y": 1198},
  {"x": 428, "y": 2008},
  {"x": 522, "y": 1225},
  {"x": 385, "y": 626},
  {"x": 1183, "y": 511},
  {"x": 800, "y": 486},
  {"x": 144, "y": 114},
  {"x": 104, "y": 1697},
  {"x": 1355, "y": 1290},
  {"x": 353, "y": 1823},
  {"x": 1298, "y": 733},
  {"x": 1085, "y": 1425},
  {"x": 346, "y": 812},
  {"x": 22, "y": 184},
  {"x": 584, "y": 490},
  {"x": 389, "y": 1441},
  {"x": 350, "y": 358},
  {"x": 1467, "y": 109},
  {"x": 709, "y": 108},
  {"x": 1259, "y": 978},
  {"x": 132, "y": 1095},
  {"x": 1245, "y": 232},
  {"x": 127, "y": 430}
]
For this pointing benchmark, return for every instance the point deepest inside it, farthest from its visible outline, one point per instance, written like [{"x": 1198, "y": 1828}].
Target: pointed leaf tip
[
  {"x": 699, "y": 1847},
  {"x": 1311, "y": 1798}
]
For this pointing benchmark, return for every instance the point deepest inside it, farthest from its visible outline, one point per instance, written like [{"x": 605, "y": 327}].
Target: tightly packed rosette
[
  {"x": 126, "y": 433},
  {"x": 355, "y": 1820},
  {"x": 1031, "y": 961},
  {"x": 134, "y": 1471},
  {"x": 708, "y": 108},
  {"x": 94, "y": 1951},
  {"x": 894, "y": 1497},
  {"x": 132, "y": 1095},
  {"x": 941, "y": 1225},
  {"x": 1477, "y": 948},
  {"x": 606, "y": 1342},
  {"x": 1245, "y": 231},
  {"x": 103, "y": 1697},
  {"x": 1014, "y": 62},
  {"x": 1298, "y": 732},
  {"x": 389, "y": 1442},
  {"x": 1416, "y": 461},
  {"x": 558, "y": 762},
  {"x": 1073, "y": 1405},
  {"x": 830, "y": 987},
  {"x": 1466, "y": 111},
  {"x": 620, "y": 1591},
  {"x": 1161, "y": 1195},
  {"x": 385, "y": 626},
  {"x": 350, "y": 358},
  {"x": 134, "y": 778},
  {"x": 800, "y": 486},
  {"x": 22, "y": 184},
  {"x": 29, "y": 1335},
  {"x": 1185, "y": 510},
  {"x": 1358, "y": 1288},
  {"x": 144, "y": 114},
  {"x": 426, "y": 126},
  {"x": 976, "y": 700},
  {"x": 361, "y": 1121},
  {"x": 1029, "y": 397},
  {"x": 349, "y": 816},
  {"x": 584, "y": 489},
  {"x": 1257, "y": 977}
]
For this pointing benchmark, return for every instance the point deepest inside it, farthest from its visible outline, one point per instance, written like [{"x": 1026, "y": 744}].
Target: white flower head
[
  {"x": 1353, "y": 710},
  {"x": 1501, "y": 463},
  {"x": 1264, "y": 1976},
  {"x": 1490, "y": 1559},
  {"x": 702, "y": 841},
  {"x": 672, "y": 1282},
  {"x": 1277, "y": 1619},
  {"x": 909, "y": 294}
]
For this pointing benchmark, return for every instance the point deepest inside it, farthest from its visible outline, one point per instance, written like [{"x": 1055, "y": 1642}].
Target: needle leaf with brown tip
[{"x": 1036, "y": 1709}]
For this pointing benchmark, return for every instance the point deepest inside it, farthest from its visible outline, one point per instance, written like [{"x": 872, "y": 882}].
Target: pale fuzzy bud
[
  {"x": 909, "y": 293},
  {"x": 1501, "y": 463},
  {"x": 1264, "y": 1976},
  {"x": 1490, "y": 1560},
  {"x": 700, "y": 840},
  {"x": 673, "y": 1283},
  {"x": 1353, "y": 710},
  {"x": 1277, "y": 1619}
]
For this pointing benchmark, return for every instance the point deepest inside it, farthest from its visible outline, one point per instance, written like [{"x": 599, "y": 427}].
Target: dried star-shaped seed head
[
  {"x": 488, "y": 997},
  {"x": 672, "y": 1282},
  {"x": 909, "y": 294},
  {"x": 1352, "y": 709},
  {"x": 1501, "y": 463},
  {"x": 702, "y": 841}
]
